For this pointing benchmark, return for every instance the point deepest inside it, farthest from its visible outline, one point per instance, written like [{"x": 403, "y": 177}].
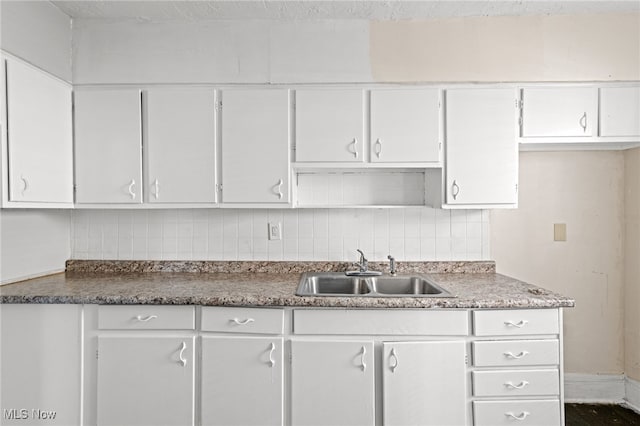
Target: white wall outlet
[{"x": 275, "y": 230}]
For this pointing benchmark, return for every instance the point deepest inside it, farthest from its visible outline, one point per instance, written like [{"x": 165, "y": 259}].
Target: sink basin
[{"x": 337, "y": 284}]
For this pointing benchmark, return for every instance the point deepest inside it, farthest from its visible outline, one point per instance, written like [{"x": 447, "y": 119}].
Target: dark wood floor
[{"x": 590, "y": 414}]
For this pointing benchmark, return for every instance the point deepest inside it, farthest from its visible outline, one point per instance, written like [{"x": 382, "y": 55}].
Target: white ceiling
[{"x": 331, "y": 9}]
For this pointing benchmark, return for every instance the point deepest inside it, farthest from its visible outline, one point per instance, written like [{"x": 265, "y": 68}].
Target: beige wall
[
  {"x": 632, "y": 263},
  {"x": 584, "y": 190},
  {"x": 531, "y": 48}
]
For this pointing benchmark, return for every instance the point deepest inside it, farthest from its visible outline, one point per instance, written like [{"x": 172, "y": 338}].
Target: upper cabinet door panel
[
  {"x": 330, "y": 125},
  {"x": 40, "y": 136},
  {"x": 405, "y": 125},
  {"x": 559, "y": 111},
  {"x": 180, "y": 146},
  {"x": 620, "y": 111},
  {"x": 108, "y": 146},
  {"x": 255, "y": 146}
]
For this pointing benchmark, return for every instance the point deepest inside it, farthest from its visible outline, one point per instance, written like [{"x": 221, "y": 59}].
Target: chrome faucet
[
  {"x": 363, "y": 264},
  {"x": 392, "y": 265}
]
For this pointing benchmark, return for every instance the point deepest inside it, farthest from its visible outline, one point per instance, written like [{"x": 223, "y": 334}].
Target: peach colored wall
[
  {"x": 584, "y": 190},
  {"x": 632, "y": 263},
  {"x": 529, "y": 48}
]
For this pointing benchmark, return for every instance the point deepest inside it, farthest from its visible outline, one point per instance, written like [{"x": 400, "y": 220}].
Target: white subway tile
[
  {"x": 427, "y": 248},
  {"x": 411, "y": 249}
]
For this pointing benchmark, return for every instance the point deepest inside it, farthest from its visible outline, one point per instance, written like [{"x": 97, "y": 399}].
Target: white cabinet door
[
  {"x": 108, "y": 146},
  {"x": 332, "y": 383},
  {"x": 255, "y": 146},
  {"x": 179, "y": 146},
  {"x": 330, "y": 125},
  {"x": 242, "y": 381},
  {"x": 40, "y": 155},
  {"x": 405, "y": 125},
  {"x": 620, "y": 111},
  {"x": 424, "y": 383},
  {"x": 481, "y": 148},
  {"x": 145, "y": 380},
  {"x": 559, "y": 111},
  {"x": 41, "y": 364}
]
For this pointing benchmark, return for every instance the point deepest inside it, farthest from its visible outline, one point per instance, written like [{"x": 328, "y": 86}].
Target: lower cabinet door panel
[
  {"x": 526, "y": 413},
  {"x": 242, "y": 381},
  {"x": 146, "y": 381},
  {"x": 514, "y": 383},
  {"x": 332, "y": 383}
]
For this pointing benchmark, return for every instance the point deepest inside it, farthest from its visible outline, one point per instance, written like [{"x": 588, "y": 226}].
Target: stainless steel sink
[{"x": 338, "y": 284}]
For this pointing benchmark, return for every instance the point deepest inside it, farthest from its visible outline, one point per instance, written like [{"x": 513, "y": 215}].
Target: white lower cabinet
[
  {"x": 332, "y": 383},
  {"x": 145, "y": 380},
  {"x": 424, "y": 383},
  {"x": 242, "y": 381}
]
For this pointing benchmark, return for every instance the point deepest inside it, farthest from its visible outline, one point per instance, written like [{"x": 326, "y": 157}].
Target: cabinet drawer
[
  {"x": 516, "y": 352},
  {"x": 515, "y": 322},
  {"x": 243, "y": 320},
  {"x": 424, "y": 322},
  {"x": 528, "y": 413},
  {"x": 146, "y": 317},
  {"x": 516, "y": 382}
]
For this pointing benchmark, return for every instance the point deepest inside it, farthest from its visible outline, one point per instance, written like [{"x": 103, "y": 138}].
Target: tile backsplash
[{"x": 409, "y": 234}]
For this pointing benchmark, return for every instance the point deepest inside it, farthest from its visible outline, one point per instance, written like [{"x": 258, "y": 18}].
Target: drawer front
[
  {"x": 528, "y": 413},
  {"x": 515, "y": 383},
  {"x": 242, "y": 320},
  {"x": 146, "y": 317},
  {"x": 516, "y": 352},
  {"x": 380, "y": 322},
  {"x": 516, "y": 322}
]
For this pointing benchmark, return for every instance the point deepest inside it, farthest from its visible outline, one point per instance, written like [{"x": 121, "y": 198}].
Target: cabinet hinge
[
  {"x": 516, "y": 188},
  {"x": 440, "y": 146},
  {"x": 290, "y": 357},
  {"x": 218, "y": 106},
  {"x": 96, "y": 354},
  {"x": 466, "y": 359},
  {"x": 519, "y": 103},
  {"x": 520, "y": 121}
]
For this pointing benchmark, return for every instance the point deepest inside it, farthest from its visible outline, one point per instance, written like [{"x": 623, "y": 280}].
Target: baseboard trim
[
  {"x": 632, "y": 394},
  {"x": 595, "y": 388}
]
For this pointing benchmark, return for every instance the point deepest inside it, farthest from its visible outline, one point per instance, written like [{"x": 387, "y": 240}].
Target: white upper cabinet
[
  {"x": 255, "y": 146},
  {"x": 39, "y": 140},
  {"x": 559, "y": 111},
  {"x": 481, "y": 147},
  {"x": 620, "y": 111},
  {"x": 108, "y": 149},
  {"x": 329, "y": 125},
  {"x": 179, "y": 145},
  {"x": 405, "y": 125}
]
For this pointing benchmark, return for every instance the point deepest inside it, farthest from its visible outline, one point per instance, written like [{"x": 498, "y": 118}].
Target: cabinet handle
[
  {"x": 243, "y": 322},
  {"x": 363, "y": 364},
  {"x": 393, "y": 357},
  {"x": 131, "y": 185},
  {"x": 147, "y": 318},
  {"x": 277, "y": 189},
  {"x": 271, "y": 351},
  {"x": 156, "y": 189},
  {"x": 455, "y": 189},
  {"x": 354, "y": 144},
  {"x": 521, "y": 385},
  {"x": 183, "y": 360},
  {"x": 519, "y": 324},
  {"x": 25, "y": 185},
  {"x": 520, "y": 416},
  {"x": 512, "y": 356},
  {"x": 583, "y": 122},
  {"x": 378, "y": 148}
]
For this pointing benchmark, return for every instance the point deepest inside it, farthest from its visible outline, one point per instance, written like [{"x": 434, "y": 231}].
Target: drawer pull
[
  {"x": 272, "y": 361},
  {"x": 521, "y": 416},
  {"x": 363, "y": 364},
  {"x": 243, "y": 322},
  {"x": 522, "y": 385},
  {"x": 147, "y": 318},
  {"x": 512, "y": 356},
  {"x": 393, "y": 357},
  {"x": 519, "y": 324}
]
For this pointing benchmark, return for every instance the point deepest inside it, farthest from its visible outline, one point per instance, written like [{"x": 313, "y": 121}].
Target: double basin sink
[{"x": 340, "y": 285}]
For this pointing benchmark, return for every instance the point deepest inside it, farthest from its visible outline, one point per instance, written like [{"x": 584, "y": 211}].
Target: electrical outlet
[
  {"x": 275, "y": 230},
  {"x": 559, "y": 232}
]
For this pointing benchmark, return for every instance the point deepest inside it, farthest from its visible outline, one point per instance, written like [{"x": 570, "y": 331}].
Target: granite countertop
[{"x": 475, "y": 285}]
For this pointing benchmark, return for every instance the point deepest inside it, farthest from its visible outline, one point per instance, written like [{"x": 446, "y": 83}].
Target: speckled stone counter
[{"x": 475, "y": 285}]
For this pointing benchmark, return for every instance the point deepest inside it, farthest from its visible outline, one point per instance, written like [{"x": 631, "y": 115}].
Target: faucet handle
[{"x": 392, "y": 265}]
